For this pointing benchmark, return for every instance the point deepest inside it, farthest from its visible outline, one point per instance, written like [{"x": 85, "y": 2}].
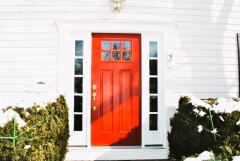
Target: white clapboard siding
[
  {"x": 208, "y": 26},
  {"x": 206, "y": 88},
  {"x": 205, "y": 46},
  {"x": 205, "y": 60},
  {"x": 29, "y": 44},
  {"x": 206, "y": 53},
  {"x": 203, "y": 40},
  {"x": 205, "y": 67},
  {"x": 27, "y": 29},
  {"x": 206, "y": 74},
  {"x": 28, "y": 37},
  {"x": 10, "y": 22},
  {"x": 44, "y": 65},
  {"x": 28, "y": 58},
  {"x": 25, "y": 88},
  {"x": 28, "y": 73},
  {"x": 28, "y": 51},
  {"x": 205, "y": 82},
  {"x": 131, "y": 8},
  {"x": 27, "y": 80}
]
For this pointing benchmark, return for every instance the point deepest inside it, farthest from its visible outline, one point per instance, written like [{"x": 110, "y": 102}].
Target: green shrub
[
  {"x": 185, "y": 140},
  {"x": 46, "y": 131}
]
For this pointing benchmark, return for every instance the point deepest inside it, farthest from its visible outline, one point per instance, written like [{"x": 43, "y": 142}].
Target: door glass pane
[
  {"x": 78, "y": 122},
  {"x": 152, "y": 49},
  {"x": 153, "y": 104},
  {"x": 153, "y": 122},
  {"x": 105, "y": 55},
  {"x": 153, "y": 85},
  {"x": 78, "y": 84},
  {"x": 105, "y": 45},
  {"x": 126, "y": 55},
  {"x": 77, "y": 103},
  {"x": 116, "y": 45},
  {"x": 78, "y": 48},
  {"x": 116, "y": 55},
  {"x": 153, "y": 67},
  {"x": 78, "y": 66},
  {"x": 126, "y": 45}
]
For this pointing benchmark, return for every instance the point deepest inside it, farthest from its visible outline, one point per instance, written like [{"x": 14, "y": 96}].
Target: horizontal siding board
[
  {"x": 208, "y": 26},
  {"x": 20, "y": 88},
  {"x": 205, "y": 82},
  {"x": 28, "y": 65},
  {"x": 27, "y": 29},
  {"x": 29, "y": 44},
  {"x": 14, "y": 22},
  {"x": 105, "y": 15},
  {"x": 206, "y": 88},
  {"x": 143, "y": 9},
  {"x": 205, "y": 67},
  {"x": 205, "y": 60},
  {"x": 29, "y": 51},
  {"x": 28, "y": 58},
  {"x": 206, "y": 40},
  {"x": 28, "y": 73},
  {"x": 206, "y": 74},
  {"x": 205, "y": 46},
  {"x": 29, "y": 37},
  {"x": 27, "y": 81},
  {"x": 206, "y": 33},
  {"x": 218, "y": 53}
]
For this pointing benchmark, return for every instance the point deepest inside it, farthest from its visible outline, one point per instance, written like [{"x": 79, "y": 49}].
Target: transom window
[{"x": 116, "y": 50}]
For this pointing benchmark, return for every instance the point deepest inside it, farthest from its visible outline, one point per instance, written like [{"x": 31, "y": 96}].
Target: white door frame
[{"x": 150, "y": 31}]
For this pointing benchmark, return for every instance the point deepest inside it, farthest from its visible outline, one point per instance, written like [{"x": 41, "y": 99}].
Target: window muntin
[{"x": 116, "y": 50}]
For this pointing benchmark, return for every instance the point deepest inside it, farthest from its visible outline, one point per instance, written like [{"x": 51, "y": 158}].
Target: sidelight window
[{"x": 78, "y": 86}]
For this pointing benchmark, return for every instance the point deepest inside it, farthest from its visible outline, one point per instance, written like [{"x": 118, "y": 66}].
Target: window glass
[
  {"x": 105, "y": 45},
  {"x": 126, "y": 55},
  {"x": 78, "y": 48},
  {"x": 78, "y": 84},
  {"x": 153, "y": 85},
  {"x": 153, "y": 67},
  {"x": 77, "y": 103},
  {"x": 77, "y": 122},
  {"x": 153, "y": 49},
  {"x": 116, "y": 45},
  {"x": 153, "y": 122},
  {"x": 78, "y": 66},
  {"x": 153, "y": 104}
]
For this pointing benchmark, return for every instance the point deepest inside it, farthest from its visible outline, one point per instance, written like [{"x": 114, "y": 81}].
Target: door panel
[{"x": 115, "y": 113}]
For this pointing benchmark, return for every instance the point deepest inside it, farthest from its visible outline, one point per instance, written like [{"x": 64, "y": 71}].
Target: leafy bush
[
  {"x": 45, "y": 136},
  {"x": 185, "y": 139}
]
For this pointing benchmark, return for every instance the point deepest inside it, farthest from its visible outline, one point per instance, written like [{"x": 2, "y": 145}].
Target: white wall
[{"x": 204, "y": 44}]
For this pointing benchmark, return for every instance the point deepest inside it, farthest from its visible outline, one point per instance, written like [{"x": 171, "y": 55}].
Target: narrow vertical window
[
  {"x": 153, "y": 86},
  {"x": 78, "y": 86}
]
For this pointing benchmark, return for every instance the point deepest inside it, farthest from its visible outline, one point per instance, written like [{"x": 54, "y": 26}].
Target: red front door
[{"x": 115, "y": 112}]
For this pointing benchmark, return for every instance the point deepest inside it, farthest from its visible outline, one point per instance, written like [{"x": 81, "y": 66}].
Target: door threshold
[{"x": 116, "y": 153}]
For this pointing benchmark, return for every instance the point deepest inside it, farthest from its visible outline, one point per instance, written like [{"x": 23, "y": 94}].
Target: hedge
[
  {"x": 44, "y": 138},
  {"x": 186, "y": 139}
]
